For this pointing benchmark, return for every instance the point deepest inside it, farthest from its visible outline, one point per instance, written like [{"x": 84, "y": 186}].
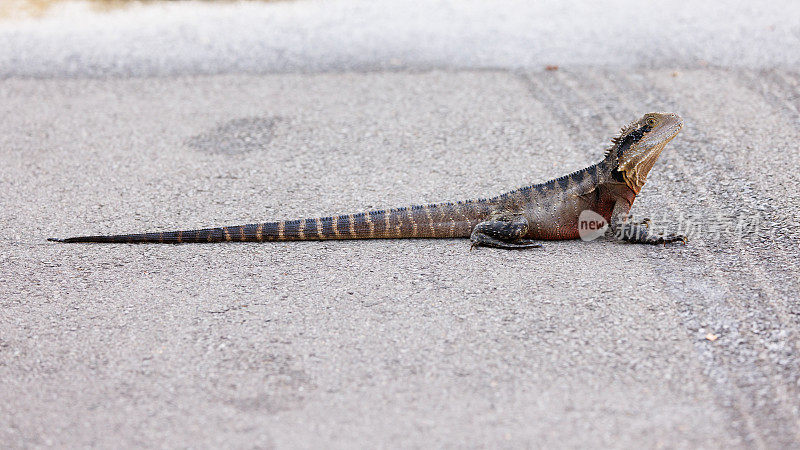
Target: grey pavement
[{"x": 409, "y": 343}]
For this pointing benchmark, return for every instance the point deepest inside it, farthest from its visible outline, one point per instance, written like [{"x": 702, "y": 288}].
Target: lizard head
[{"x": 639, "y": 145}]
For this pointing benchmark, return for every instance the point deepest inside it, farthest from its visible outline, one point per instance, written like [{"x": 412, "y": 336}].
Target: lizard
[{"x": 514, "y": 220}]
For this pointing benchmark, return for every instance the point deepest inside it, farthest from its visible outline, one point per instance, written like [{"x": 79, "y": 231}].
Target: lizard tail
[{"x": 442, "y": 220}]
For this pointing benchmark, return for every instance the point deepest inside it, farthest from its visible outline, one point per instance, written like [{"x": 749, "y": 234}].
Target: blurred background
[{"x": 97, "y": 37}]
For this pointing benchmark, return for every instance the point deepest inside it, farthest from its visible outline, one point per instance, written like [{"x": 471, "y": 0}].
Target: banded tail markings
[
  {"x": 413, "y": 221},
  {"x": 397, "y": 222},
  {"x": 443, "y": 220},
  {"x": 352, "y": 229},
  {"x": 421, "y": 220},
  {"x": 342, "y": 225},
  {"x": 326, "y": 226},
  {"x": 270, "y": 231},
  {"x": 281, "y": 230},
  {"x": 310, "y": 228},
  {"x": 378, "y": 222},
  {"x": 290, "y": 229},
  {"x": 459, "y": 209},
  {"x": 406, "y": 222},
  {"x": 370, "y": 224},
  {"x": 361, "y": 226},
  {"x": 427, "y": 209},
  {"x": 318, "y": 227},
  {"x": 391, "y": 224},
  {"x": 399, "y": 227},
  {"x": 387, "y": 216},
  {"x": 452, "y": 218}
]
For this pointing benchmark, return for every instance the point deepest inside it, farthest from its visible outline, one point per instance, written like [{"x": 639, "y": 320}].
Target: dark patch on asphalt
[{"x": 236, "y": 137}]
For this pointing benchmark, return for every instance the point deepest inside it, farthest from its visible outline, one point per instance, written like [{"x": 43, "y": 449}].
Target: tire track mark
[
  {"x": 606, "y": 120},
  {"x": 767, "y": 312},
  {"x": 733, "y": 398}
]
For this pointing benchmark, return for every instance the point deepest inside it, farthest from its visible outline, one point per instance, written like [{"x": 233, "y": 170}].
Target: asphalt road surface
[{"x": 409, "y": 343}]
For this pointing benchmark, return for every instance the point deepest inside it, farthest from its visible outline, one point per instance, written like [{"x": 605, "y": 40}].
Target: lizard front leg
[
  {"x": 624, "y": 229},
  {"x": 503, "y": 231}
]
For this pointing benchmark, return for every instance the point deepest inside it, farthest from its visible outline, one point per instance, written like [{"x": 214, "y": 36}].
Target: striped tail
[{"x": 442, "y": 220}]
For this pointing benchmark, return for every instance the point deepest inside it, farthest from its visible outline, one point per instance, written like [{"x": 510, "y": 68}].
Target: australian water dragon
[{"x": 516, "y": 219}]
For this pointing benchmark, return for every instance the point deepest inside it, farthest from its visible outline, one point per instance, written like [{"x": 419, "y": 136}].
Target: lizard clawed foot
[
  {"x": 528, "y": 243},
  {"x": 482, "y": 240},
  {"x": 669, "y": 238},
  {"x": 503, "y": 232}
]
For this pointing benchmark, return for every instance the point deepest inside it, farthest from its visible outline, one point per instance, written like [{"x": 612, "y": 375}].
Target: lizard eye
[{"x": 651, "y": 121}]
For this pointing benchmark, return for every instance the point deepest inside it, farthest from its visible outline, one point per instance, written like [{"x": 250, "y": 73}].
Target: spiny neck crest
[{"x": 628, "y": 135}]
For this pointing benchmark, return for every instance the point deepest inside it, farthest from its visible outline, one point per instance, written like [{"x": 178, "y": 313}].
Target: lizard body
[{"x": 516, "y": 219}]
